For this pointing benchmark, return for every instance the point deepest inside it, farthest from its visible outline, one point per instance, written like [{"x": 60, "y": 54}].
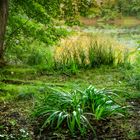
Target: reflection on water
[{"x": 126, "y": 35}]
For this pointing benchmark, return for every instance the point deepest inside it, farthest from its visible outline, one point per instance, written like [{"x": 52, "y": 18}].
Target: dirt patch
[
  {"x": 105, "y": 129},
  {"x": 88, "y": 22},
  {"x": 134, "y": 120},
  {"x": 15, "y": 124}
]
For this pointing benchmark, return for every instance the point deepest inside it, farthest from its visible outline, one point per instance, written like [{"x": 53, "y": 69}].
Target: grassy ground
[{"x": 19, "y": 86}]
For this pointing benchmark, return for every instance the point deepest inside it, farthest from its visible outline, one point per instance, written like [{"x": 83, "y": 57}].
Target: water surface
[{"x": 127, "y": 35}]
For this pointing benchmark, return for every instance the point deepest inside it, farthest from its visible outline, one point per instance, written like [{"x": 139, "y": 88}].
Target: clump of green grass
[
  {"x": 101, "y": 103},
  {"x": 60, "y": 109},
  {"x": 78, "y": 110},
  {"x": 101, "y": 55}
]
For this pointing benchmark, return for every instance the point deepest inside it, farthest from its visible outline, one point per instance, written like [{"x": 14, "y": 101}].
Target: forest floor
[{"x": 18, "y": 85}]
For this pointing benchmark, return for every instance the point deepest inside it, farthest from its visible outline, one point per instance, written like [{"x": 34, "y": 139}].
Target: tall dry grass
[{"x": 89, "y": 50}]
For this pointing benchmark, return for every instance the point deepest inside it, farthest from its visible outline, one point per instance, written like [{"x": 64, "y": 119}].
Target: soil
[{"x": 15, "y": 124}]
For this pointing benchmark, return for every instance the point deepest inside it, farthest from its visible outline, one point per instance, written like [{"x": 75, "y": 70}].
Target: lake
[{"x": 128, "y": 34}]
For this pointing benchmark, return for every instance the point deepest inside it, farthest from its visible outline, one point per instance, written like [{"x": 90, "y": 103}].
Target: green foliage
[
  {"x": 131, "y": 7},
  {"x": 100, "y": 55},
  {"x": 37, "y": 57},
  {"x": 25, "y": 96},
  {"x": 76, "y": 110},
  {"x": 109, "y": 10},
  {"x": 133, "y": 75},
  {"x": 31, "y": 22},
  {"x": 94, "y": 12},
  {"x": 52, "y": 7},
  {"x": 30, "y": 28},
  {"x": 23, "y": 53},
  {"x": 62, "y": 109},
  {"x": 108, "y": 14},
  {"x": 84, "y": 5},
  {"x": 31, "y": 51},
  {"x": 101, "y": 103},
  {"x": 26, "y": 93}
]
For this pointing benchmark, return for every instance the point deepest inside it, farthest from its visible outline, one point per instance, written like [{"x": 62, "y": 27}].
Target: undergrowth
[{"x": 133, "y": 74}]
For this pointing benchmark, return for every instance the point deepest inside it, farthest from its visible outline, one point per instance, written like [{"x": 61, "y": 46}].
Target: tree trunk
[{"x": 3, "y": 23}]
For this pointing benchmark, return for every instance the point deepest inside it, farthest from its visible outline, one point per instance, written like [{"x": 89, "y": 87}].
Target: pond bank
[{"x": 122, "y": 22}]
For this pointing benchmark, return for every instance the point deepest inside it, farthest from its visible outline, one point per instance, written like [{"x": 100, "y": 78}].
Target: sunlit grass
[{"x": 90, "y": 50}]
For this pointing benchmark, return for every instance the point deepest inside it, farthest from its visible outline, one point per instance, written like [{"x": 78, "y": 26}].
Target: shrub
[
  {"x": 31, "y": 53},
  {"x": 101, "y": 103},
  {"x": 60, "y": 109},
  {"x": 36, "y": 57},
  {"x": 76, "y": 110}
]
